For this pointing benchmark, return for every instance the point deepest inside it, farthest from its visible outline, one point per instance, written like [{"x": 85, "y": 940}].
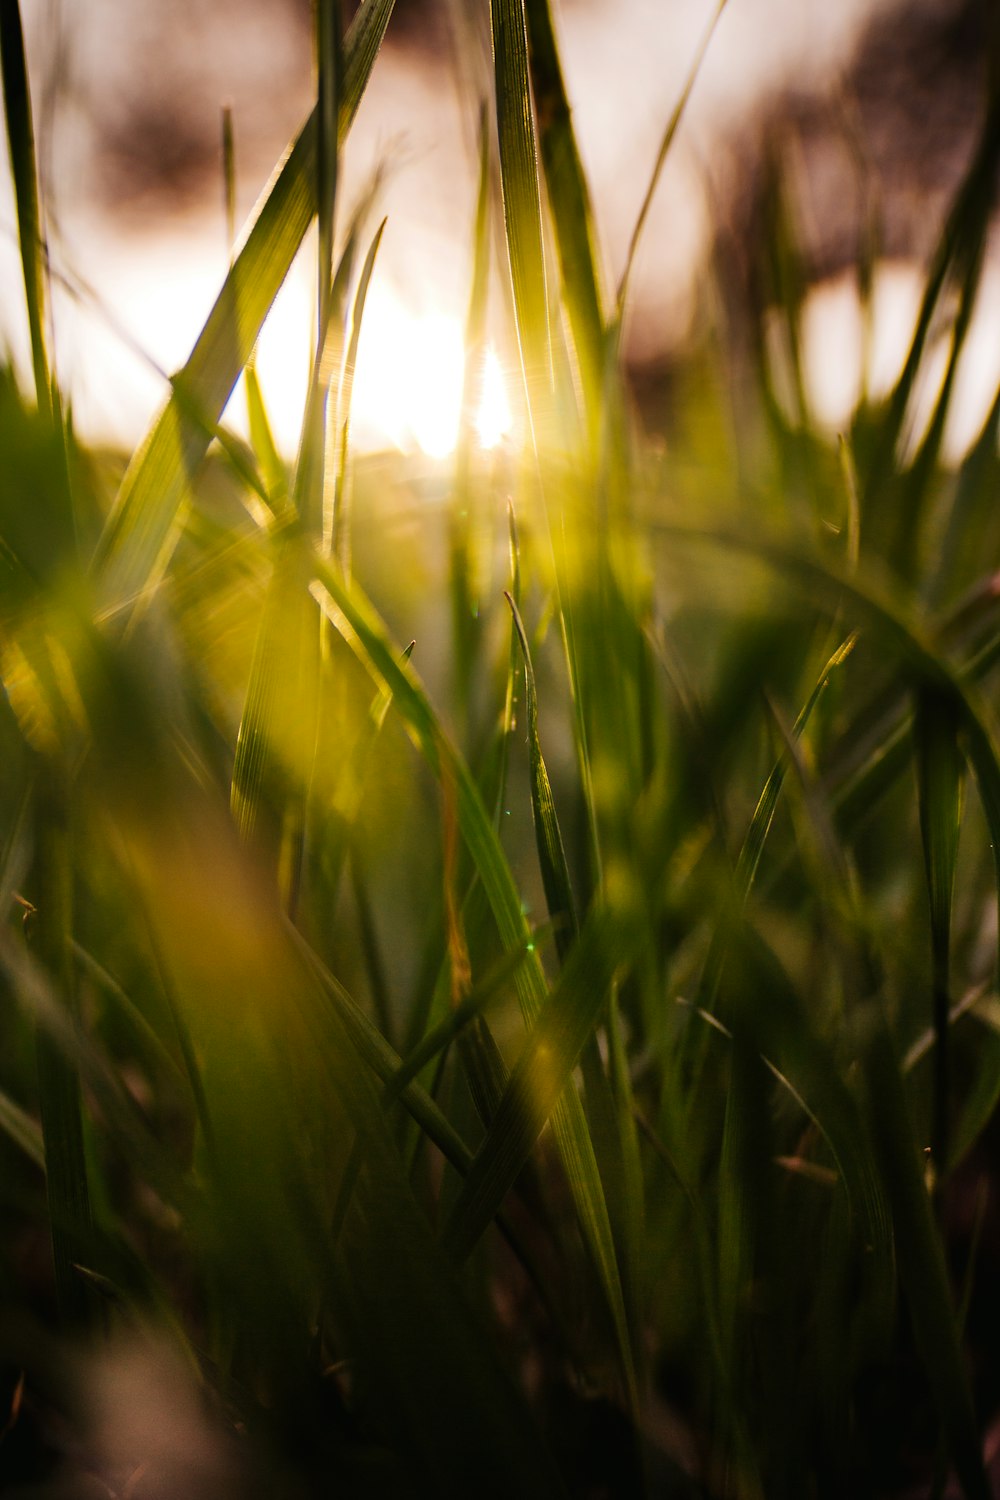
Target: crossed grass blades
[{"x": 572, "y": 1079}]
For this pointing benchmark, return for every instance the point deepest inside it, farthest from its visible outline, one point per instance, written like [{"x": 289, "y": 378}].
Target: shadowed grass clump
[{"x": 498, "y": 998}]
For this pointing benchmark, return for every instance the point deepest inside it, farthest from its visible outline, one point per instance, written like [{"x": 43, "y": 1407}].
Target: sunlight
[
  {"x": 494, "y": 419},
  {"x": 408, "y": 381}
]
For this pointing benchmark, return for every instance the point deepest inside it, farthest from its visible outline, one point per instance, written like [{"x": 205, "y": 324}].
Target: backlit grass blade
[
  {"x": 21, "y": 144},
  {"x": 341, "y": 524},
  {"x": 922, "y": 1268},
  {"x": 139, "y": 531},
  {"x": 272, "y": 467},
  {"x": 940, "y": 776},
  {"x": 357, "y": 621},
  {"x": 569, "y": 202},
  {"x": 522, "y": 206},
  {"x": 273, "y": 747},
  {"x": 661, "y": 157}
]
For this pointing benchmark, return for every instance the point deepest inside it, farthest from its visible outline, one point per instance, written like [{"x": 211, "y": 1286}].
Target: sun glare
[
  {"x": 408, "y": 382},
  {"x": 494, "y": 419}
]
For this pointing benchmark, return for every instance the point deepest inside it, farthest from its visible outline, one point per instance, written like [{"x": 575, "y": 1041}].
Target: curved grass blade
[{"x": 139, "y": 531}]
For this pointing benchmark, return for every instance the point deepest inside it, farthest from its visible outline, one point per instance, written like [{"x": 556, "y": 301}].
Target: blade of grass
[{"x": 139, "y": 531}]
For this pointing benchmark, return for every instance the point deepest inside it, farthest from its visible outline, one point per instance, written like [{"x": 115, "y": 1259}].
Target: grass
[{"x": 497, "y": 998}]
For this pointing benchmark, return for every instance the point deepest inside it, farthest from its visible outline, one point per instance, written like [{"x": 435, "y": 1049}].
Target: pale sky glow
[{"x": 833, "y": 350}]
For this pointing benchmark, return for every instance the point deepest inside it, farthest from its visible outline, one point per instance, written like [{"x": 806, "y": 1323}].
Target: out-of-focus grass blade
[
  {"x": 921, "y": 1263},
  {"x": 272, "y": 748},
  {"x": 356, "y": 619},
  {"x": 940, "y": 777},
  {"x": 265, "y": 449},
  {"x": 932, "y": 669},
  {"x": 569, "y": 202},
  {"x": 139, "y": 531},
  {"x": 522, "y": 206},
  {"x": 21, "y": 143},
  {"x": 19, "y": 1126}
]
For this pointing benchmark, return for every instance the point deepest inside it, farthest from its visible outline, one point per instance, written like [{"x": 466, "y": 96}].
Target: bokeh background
[{"x": 870, "y": 105}]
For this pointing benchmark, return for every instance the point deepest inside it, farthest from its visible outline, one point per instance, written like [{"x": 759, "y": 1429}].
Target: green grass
[{"x": 498, "y": 998}]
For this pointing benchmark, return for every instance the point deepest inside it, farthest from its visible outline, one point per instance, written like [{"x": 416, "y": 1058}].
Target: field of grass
[{"x": 499, "y": 989}]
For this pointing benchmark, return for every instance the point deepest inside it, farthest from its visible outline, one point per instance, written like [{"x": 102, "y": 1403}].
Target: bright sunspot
[
  {"x": 493, "y": 419},
  {"x": 408, "y": 381}
]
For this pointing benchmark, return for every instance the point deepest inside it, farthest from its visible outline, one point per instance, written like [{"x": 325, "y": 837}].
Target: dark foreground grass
[{"x": 556, "y": 1057}]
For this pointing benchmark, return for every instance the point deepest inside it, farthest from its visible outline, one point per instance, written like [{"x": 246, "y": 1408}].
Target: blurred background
[{"x": 869, "y": 109}]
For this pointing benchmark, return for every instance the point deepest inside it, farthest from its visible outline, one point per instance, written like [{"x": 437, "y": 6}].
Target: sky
[{"x": 128, "y": 103}]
